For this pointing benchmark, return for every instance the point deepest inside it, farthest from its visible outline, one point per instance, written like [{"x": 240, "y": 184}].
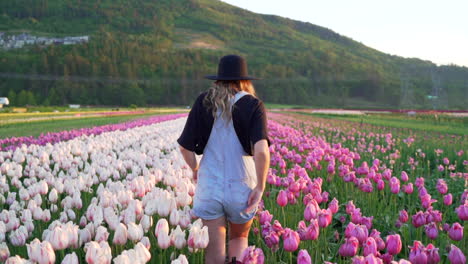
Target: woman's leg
[
  {"x": 215, "y": 253},
  {"x": 238, "y": 239}
]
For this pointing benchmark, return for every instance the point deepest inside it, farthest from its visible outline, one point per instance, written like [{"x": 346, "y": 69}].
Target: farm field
[{"x": 338, "y": 191}]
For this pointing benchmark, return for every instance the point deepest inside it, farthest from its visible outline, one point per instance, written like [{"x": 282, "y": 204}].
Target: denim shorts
[{"x": 211, "y": 202}]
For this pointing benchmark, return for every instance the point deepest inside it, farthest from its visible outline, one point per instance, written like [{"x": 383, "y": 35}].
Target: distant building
[{"x": 4, "y": 101}]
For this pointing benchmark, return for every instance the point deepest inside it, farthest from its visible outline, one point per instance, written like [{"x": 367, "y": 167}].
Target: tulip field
[{"x": 337, "y": 192}]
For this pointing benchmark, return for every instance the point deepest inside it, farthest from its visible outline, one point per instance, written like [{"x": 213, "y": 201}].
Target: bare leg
[
  {"x": 215, "y": 253},
  {"x": 238, "y": 239}
]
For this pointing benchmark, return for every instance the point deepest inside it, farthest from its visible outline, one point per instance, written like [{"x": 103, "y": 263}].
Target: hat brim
[{"x": 222, "y": 78}]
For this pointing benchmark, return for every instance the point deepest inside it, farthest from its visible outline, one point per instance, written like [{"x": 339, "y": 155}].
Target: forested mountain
[{"x": 157, "y": 52}]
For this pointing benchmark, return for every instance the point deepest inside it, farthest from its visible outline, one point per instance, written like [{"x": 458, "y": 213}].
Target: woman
[{"x": 227, "y": 124}]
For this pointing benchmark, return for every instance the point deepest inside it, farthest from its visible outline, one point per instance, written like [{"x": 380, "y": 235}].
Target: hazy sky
[{"x": 434, "y": 30}]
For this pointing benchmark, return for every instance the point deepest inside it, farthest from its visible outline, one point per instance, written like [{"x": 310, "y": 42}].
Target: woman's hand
[{"x": 254, "y": 199}]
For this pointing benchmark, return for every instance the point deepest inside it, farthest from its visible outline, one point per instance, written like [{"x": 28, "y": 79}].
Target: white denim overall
[{"x": 226, "y": 175}]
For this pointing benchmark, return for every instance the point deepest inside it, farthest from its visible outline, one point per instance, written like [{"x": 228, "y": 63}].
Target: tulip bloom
[
  {"x": 456, "y": 256},
  {"x": 349, "y": 248},
  {"x": 462, "y": 211},
  {"x": 404, "y": 176},
  {"x": 282, "y": 199},
  {"x": 303, "y": 257},
  {"x": 324, "y": 218},
  {"x": 161, "y": 226},
  {"x": 4, "y": 252},
  {"x": 403, "y": 216},
  {"x": 120, "y": 235},
  {"x": 419, "y": 219},
  {"x": 370, "y": 247},
  {"x": 432, "y": 254},
  {"x": 252, "y": 255},
  {"x": 291, "y": 240},
  {"x": 41, "y": 252},
  {"x": 456, "y": 232},
  {"x": 393, "y": 244},
  {"x": 448, "y": 199},
  {"x": 71, "y": 259},
  {"x": 431, "y": 230},
  {"x": 394, "y": 185},
  {"x": 441, "y": 186},
  {"x": 333, "y": 206},
  {"x": 418, "y": 253}
]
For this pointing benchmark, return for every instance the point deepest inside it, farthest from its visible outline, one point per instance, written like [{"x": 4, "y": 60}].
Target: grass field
[{"x": 441, "y": 124}]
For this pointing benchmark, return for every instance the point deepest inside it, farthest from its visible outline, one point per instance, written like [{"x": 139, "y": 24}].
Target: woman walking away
[{"x": 228, "y": 125}]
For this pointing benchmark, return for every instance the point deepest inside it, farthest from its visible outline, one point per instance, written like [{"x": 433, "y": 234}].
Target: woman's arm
[
  {"x": 191, "y": 160},
  {"x": 262, "y": 163}
]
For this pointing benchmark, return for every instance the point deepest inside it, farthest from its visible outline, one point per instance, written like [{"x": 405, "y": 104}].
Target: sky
[{"x": 435, "y": 30}]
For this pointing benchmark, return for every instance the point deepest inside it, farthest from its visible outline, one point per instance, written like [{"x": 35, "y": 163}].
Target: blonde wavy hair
[{"x": 220, "y": 94}]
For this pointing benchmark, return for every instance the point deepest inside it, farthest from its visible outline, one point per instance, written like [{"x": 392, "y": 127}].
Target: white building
[{"x": 4, "y": 101}]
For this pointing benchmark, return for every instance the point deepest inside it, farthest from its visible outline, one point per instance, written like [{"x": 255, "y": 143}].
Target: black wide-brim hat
[{"x": 231, "y": 68}]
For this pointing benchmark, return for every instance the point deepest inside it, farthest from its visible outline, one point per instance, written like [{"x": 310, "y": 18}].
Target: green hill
[{"x": 157, "y": 52}]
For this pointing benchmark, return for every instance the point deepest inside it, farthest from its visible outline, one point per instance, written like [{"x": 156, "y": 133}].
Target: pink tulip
[
  {"x": 361, "y": 233},
  {"x": 312, "y": 231},
  {"x": 431, "y": 230},
  {"x": 419, "y": 219},
  {"x": 164, "y": 240},
  {"x": 371, "y": 259},
  {"x": 404, "y": 176},
  {"x": 202, "y": 239},
  {"x": 418, "y": 253},
  {"x": 71, "y": 259},
  {"x": 98, "y": 253},
  {"x": 252, "y": 255},
  {"x": 324, "y": 218},
  {"x": 378, "y": 240},
  {"x": 441, "y": 186},
  {"x": 161, "y": 226},
  {"x": 333, "y": 206},
  {"x": 462, "y": 211},
  {"x": 419, "y": 182},
  {"x": 291, "y": 240},
  {"x": 311, "y": 211},
  {"x": 367, "y": 221},
  {"x": 358, "y": 260},
  {"x": 4, "y": 252},
  {"x": 408, "y": 188},
  {"x": 403, "y": 216},
  {"x": 370, "y": 247},
  {"x": 41, "y": 252},
  {"x": 440, "y": 168},
  {"x": 301, "y": 229},
  {"x": 380, "y": 185},
  {"x": 265, "y": 216},
  {"x": 393, "y": 244},
  {"x": 456, "y": 256},
  {"x": 386, "y": 258},
  {"x": 120, "y": 235},
  {"x": 394, "y": 185},
  {"x": 350, "y": 229},
  {"x": 349, "y": 248},
  {"x": 178, "y": 237},
  {"x": 456, "y": 232},
  {"x": 303, "y": 257},
  {"x": 272, "y": 239},
  {"x": 350, "y": 207},
  {"x": 448, "y": 199},
  {"x": 433, "y": 216},
  {"x": 282, "y": 199},
  {"x": 432, "y": 254}
]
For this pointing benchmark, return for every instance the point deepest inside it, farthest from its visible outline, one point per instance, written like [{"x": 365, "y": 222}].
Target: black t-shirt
[{"x": 248, "y": 116}]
